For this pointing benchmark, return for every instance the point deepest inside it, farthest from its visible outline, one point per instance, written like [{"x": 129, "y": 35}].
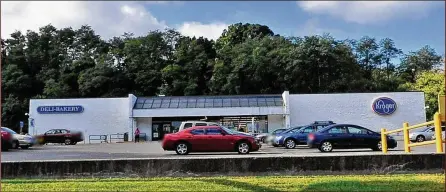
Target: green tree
[
  {"x": 238, "y": 33},
  {"x": 425, "y": 59},
  {"x": 432, "y": 84}
]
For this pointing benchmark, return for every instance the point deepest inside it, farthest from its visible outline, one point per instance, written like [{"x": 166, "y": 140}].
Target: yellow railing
[
  {"x": 407, "y": 145},
  {"x": 441, "y": 107}
]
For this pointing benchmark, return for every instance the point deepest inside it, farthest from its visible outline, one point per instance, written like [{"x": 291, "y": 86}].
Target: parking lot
[{"x": 154, "y": 150}]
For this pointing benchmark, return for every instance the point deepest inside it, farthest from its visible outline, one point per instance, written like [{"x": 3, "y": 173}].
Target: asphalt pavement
[{"x": 58, "y": 152}]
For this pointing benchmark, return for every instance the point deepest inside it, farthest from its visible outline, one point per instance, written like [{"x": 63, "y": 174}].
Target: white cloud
[
  {"x": 106, "y": 18},
  {"x": 313, "y": 27},
  {"x": 210, "y": 31},
  {"x": 366, "y": 12}
]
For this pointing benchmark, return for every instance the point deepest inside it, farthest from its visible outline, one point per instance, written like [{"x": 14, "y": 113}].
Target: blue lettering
[
  {"x": 384, "y": 106},
  {"x": 59, "y": 109}
]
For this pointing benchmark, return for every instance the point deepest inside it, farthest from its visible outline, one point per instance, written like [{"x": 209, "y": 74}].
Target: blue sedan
[
  {"x": 292, "y": 138},
  {"x": 347, "y": 136},
  {"x": 278, "y": 137}
]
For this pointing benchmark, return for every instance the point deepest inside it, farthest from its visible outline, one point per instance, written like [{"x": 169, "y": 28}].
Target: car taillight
[
  {"x": 6, "y": 135},
  {"x": 311, "y": 136}
]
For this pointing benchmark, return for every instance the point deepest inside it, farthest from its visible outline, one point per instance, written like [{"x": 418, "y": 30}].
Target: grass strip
[{"x": 397, "y": 182}]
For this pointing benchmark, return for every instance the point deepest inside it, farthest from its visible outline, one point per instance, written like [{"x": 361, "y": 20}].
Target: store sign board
[
  {"x": 384, "y": 106},
  {"x": 60, "y": 109}
]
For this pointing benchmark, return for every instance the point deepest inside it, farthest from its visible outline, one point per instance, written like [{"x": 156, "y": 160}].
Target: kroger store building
[{"x": 156, "y": 116}]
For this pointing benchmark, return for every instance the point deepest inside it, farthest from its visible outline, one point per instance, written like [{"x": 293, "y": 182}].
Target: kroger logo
[{"x": 384, "y": 106}]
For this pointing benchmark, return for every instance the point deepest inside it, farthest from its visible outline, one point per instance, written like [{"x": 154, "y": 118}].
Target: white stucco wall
[
  {"x": 144, "y": 125},
  {"x": 275, "y": 122},
  {"x": 356, "y": 108},
  {"x": 100, "y": 116}
]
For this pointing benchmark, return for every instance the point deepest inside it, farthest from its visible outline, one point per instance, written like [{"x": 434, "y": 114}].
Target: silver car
[
  {"x": 442, "y": 135},
  {"x": 268, "y": 138},
  {"x": 426, "y": 134},
  {"x": 25, "y": 141}
]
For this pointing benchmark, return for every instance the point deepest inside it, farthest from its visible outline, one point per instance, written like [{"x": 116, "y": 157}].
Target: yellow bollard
[
  {"x": 384, "y": 140},
  {"x": 406, "y": 137},
  {"x": 438, "y": 138}
]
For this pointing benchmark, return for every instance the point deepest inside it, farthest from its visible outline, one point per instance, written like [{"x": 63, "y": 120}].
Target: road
[{"x": 154, "y": 150}]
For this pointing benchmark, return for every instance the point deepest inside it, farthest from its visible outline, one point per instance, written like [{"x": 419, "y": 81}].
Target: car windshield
[
  {"x": 299, "y": 129},
  {"x": 325, "y": 128},
  {"x": 278, "y": 131},
  {"x": 291, "y": 129},
  {"x": 229, "y": 131},
  {"x": 427, "y": 129},
  {"x": 8, "y": 130}
]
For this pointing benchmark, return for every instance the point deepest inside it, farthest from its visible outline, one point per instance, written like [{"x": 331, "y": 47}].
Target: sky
[{"x": 410, "y": 24}]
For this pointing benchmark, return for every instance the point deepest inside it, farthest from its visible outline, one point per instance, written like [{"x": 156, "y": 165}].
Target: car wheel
[
  {"x": 420, "y": 138},
  {"x": 243, "y": 148},
  {"x": 326, "y": 146},
  {"x": 67, "y": 141},
  {"x": 182, "y": 148},
  {"x": 290, "y": 144},
  {"x": 15, "y": 145},
  {"x": 24, "y": 147},
  {"x": 377, "y": 147}
]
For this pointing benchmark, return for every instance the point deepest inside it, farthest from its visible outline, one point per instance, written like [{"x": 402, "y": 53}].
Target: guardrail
[
  {"x": 102, "y": 138},
  {"x": 117, "y": 136},
  {"x": 143, "y": 136},
  {"x": 407, "y": 145}
]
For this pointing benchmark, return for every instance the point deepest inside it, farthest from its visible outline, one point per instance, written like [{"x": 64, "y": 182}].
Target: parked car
[
  {"x": 189, "y": 124},
  {"x": 424, "y": 134},
  {"x": 20, "y": 140},
  {"x": 278, "y": 135},
  {"x": 347, "y": 136},
  {"x": 292, "y": 138},
  {"x": 60, "y": 136},
  {"x": 7, "y": 140},
  {"x": 209, "y": 139},
  {"x": 265, "y": 137}
]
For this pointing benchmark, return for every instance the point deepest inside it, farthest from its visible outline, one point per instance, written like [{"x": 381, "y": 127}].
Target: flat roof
[{"x": 223, "y": 101}]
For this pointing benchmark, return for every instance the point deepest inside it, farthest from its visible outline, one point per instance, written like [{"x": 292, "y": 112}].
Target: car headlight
[{"x": 279, "y": 137}]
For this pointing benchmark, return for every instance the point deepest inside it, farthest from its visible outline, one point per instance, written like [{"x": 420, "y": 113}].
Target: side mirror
[{"x": 223, "y": 133}]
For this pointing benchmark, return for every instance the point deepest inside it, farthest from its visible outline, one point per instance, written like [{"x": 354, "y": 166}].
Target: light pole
[
  {"x": 30, "y": 124},
  {"x": 413, "y": 75}
]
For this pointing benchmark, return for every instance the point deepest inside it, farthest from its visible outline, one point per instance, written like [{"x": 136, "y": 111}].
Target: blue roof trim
[{"x": 230, "y": 101}]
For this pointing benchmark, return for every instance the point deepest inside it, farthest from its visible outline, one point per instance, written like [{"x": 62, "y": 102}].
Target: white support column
[
  {"x": 132, "y": 120},
  {"x": 286, "y": 108}
]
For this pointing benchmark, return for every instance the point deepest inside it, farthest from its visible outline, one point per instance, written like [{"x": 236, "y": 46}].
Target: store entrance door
[{"x": 159, "y": 130}]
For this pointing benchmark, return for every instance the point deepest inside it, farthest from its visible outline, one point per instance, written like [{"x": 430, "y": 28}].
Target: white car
[
  {"x": 442, "y": 135},
  {"x": 425, "y": 134},
  {"x": 188, "y": 124},
  {"x": 24, "y": 141}
]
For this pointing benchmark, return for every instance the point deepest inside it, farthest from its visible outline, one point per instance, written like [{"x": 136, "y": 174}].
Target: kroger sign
[
  {"x": 384, "y": 106},
  {"x": 60, "y": 109}
]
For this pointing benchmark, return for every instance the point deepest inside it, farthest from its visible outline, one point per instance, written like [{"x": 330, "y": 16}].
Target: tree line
[{"x": 246, "y": 59}]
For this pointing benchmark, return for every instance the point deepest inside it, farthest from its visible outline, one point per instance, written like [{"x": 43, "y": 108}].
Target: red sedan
[
  {"x": 209, "y": 139},
  {"x": 7, "y": 140}
]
